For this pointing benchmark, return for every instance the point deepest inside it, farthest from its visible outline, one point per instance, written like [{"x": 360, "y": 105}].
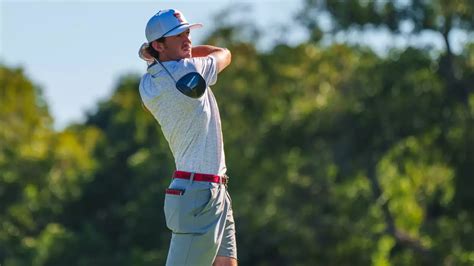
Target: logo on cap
[{"x": 178, "y": 17}]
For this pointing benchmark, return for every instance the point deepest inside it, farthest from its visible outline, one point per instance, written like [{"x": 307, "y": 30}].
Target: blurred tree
[
  {"x": 24, "y": 126},
  {"x": 40, "y": 170},
  {"x": 413, "y": 17},
  {"x": 445, "y": 111}
]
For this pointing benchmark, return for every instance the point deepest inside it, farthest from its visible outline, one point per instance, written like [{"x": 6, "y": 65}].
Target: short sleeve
[
  {"x": 207, "y": 67},
  {"x": 146, "y": 88}
]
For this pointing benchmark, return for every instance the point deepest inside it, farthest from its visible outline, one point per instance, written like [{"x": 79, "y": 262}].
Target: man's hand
[{"x": 143, "y": 53}]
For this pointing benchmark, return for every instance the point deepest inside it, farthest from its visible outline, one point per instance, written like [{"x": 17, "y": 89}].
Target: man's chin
[{"x": 187, "y": 54}]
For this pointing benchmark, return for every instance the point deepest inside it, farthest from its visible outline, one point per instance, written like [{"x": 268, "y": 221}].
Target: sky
[{"x": 75, "y": 51}]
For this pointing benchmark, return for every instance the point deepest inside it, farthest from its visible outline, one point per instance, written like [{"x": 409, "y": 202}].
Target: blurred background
[{"x": 348, "y": 130}]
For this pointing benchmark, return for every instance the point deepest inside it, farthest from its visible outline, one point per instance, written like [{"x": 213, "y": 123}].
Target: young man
[{"x": 197, "y": 205}]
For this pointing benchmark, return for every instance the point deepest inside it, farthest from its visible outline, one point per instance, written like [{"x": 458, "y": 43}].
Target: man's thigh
[
  {"x": 192, "y": 249},
  {"x": 196, "y": 235},
  {"x": 228, "y": 245},
  {"x": 225, "y": 261}
]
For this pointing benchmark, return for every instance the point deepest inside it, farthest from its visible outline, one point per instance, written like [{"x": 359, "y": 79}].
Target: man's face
[{"x": 176, "y": 47}]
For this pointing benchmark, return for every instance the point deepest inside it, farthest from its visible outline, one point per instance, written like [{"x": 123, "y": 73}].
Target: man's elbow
[
  {"x": 229, "y": 56},
  {"x": 224, "y": 60}
]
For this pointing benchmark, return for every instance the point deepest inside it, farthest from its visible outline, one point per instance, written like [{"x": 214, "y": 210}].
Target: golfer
[{"x": 176, "y": 91}]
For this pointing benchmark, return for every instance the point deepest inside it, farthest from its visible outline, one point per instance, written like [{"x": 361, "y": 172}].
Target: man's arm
[{"x": 222, "y": 55}]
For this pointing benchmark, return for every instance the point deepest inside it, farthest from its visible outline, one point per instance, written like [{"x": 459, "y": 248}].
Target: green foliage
[
  {"x": 40, "y": 171},
  {"x": 437, "y": 15}
]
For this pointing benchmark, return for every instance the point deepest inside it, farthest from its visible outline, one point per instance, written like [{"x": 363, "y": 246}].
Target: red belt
[{"x": 202, "y": 177}]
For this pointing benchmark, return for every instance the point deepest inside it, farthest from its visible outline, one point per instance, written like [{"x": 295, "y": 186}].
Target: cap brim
[{"x": 182, "y": 28}]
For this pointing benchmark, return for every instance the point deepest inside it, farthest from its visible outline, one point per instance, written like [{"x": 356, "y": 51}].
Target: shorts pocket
[{"x": 191, "y": 211}]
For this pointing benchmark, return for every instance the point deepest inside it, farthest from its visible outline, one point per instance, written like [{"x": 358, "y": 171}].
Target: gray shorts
[{"x": 199, "y": 214}]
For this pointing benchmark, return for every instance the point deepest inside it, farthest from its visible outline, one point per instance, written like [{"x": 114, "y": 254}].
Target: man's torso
[{"x": 191, "y": 126}]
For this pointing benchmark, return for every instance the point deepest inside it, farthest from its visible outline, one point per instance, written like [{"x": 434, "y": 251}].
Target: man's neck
[{"x": 167, "y": 58}]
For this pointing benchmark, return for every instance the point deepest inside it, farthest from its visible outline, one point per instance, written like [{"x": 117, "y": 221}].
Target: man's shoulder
[
  {"x": 145, "y": 80},
  {"x": 197, "y": 61}
]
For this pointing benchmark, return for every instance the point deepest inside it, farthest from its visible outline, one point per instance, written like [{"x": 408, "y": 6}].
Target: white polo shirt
[{"x": 191, "y": 126}]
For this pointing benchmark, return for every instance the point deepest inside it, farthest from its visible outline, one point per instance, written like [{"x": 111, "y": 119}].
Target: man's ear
[{"x": 158, "y": 46}]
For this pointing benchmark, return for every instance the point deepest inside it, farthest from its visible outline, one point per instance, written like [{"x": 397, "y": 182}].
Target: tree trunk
[
  {"x": 402, "y": 239},
  {"x": 454, "y": 85}
]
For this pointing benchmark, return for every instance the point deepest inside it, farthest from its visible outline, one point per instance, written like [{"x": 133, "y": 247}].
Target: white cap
[{"x": 168, "y": 22}]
